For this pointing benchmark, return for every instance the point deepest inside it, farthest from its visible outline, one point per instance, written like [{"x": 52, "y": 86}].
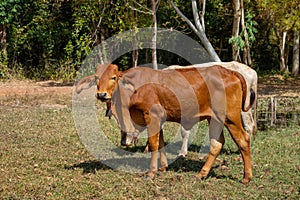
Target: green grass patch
[{"x": 41, "y": 157}]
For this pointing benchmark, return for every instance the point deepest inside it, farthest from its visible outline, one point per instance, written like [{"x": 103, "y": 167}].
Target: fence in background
[{"x": 278, "y": 111}]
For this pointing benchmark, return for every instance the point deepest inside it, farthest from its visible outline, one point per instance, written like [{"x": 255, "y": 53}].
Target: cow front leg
[
  {"x": 216, "y": 142},
  {"x": 162, "y": 153}
]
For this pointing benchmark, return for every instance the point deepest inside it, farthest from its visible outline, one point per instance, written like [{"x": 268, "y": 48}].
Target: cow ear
[
  {"x": 127, "y": 83},
  {"x": 86, "y": 83}
]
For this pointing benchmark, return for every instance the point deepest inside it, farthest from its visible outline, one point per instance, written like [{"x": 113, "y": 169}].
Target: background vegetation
[{"x": 48, "y": 39}]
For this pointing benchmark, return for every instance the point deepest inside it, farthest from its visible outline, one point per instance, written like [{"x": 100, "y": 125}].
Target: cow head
[
  {"x": 106, "y": 83},
  {"x": 106, "y": 78}
]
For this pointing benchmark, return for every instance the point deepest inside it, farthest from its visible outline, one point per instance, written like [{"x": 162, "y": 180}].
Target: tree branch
[
  {"x": 148, "y": 11},
  {"x": 196, "y": 16},
  {"x": 199, "y": 32},
  {"x": 98, "y": 25},
  {"x": 202, "y": 14}
]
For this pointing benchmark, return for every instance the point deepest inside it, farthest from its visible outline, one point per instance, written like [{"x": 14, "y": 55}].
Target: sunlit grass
[{"x": 41, "y": 157}]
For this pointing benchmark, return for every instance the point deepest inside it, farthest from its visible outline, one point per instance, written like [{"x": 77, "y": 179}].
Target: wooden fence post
[{"x": 273, "y": 111}]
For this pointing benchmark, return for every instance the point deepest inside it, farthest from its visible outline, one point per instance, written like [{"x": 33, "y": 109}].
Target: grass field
[{"x": 41, "y": 157}]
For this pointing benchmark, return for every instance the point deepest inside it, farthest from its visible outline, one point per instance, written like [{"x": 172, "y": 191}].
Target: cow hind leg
[
  {"x": 216, "y": 142},
  {"x": 185, "y": 137},
  {"x": 156, "y": 144},
  {"x": 153, "y": 146},
  {"x": 154, "y": 120},
  {"x": 242, "y": 139}
]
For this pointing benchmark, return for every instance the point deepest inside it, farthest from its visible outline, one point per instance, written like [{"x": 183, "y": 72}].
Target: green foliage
[
  {"x": 49, "y": 39},
  {"x": 37, "y": 38},
  {"x": 218, "y": 27},
  {"x": 9, "y": 10},
  {"x": 3, "y": 71},
  {"x": 250, "y": 25},
  {"x": 240, "y": 40},
  {"x": 284, "y": 14}
]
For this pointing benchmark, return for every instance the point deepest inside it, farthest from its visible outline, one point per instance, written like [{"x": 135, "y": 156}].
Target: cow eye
[{"x": 114, "y": 78}]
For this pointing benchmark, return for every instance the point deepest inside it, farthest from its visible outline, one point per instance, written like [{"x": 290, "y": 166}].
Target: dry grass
[{"x": 41, "y": 157}]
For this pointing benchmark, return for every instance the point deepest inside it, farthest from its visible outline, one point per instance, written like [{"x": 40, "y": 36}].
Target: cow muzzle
[
  {"x": 103, "y": 96},
  {"x": 127, "y": 139}
]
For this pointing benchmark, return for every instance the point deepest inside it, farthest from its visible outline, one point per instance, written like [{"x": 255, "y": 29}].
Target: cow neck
[{"x": 108, "y": 112}]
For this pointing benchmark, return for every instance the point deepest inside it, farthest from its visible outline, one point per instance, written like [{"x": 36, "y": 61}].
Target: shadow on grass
[
  {"x": 134, "y": 149},
  {"x": 186, "y": 165},
  {"x": 90, "y": 166},
  {"x": 180, "y": 165},
  {"x": 196, "y": 148},
  {"x": 189, "y": 165}
]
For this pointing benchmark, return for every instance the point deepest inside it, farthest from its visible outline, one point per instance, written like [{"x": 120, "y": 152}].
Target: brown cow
[
  {"x": 185, "y": 96},
  {"x": 249, "y": 123},
  {"x": 110, "y": 75}
]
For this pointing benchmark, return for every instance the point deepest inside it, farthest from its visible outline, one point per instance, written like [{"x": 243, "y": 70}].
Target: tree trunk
[
  {"x": 246, "y": 53},
  {"x": 3, "y": 45},
  {"x": 295, "y": 67},
  {"x": 203, "y": 2},
  {"x": 101, "y": 50},
  {"x": 135, "y": 51},
  {"x": 236, "y": 28},
  {"x": 244, "y": 31},
  {"x": 283, "y": 67},
  {"x": 286, "y": 55},
  {"x": 154, "y": 35},
  {"x": 147, "y": 55},
  {"x": 221, "y": 46}
]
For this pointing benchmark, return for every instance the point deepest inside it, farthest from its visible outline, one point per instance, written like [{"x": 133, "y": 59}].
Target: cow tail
[
  {"x": 255, "y": 113},
  {"x": 244, "y": 89}
]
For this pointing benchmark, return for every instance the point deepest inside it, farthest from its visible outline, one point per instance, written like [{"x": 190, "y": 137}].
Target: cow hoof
[
  {"x": 150, "y": 175},
  {"x": 146, "y": 150},
  {"x": 163, "y": 169},
  {"x": 182, "y": 154},
  {"x": 200, "y": 177},
  {"x": 181, "y": 158},
  {"x": 245, "y": 182},
  {"x": 148, "y": 178}
]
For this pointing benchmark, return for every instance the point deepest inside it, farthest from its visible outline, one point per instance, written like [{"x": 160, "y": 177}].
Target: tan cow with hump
[{"x": 249, "y": 118}]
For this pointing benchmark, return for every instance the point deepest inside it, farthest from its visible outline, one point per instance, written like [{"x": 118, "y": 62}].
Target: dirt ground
[
  {"x": 46, "y": 94},
  {"x": 279, "y": 86},
  {"x": 30, "y": 87},
  {"x": 267, "y": 86}
]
